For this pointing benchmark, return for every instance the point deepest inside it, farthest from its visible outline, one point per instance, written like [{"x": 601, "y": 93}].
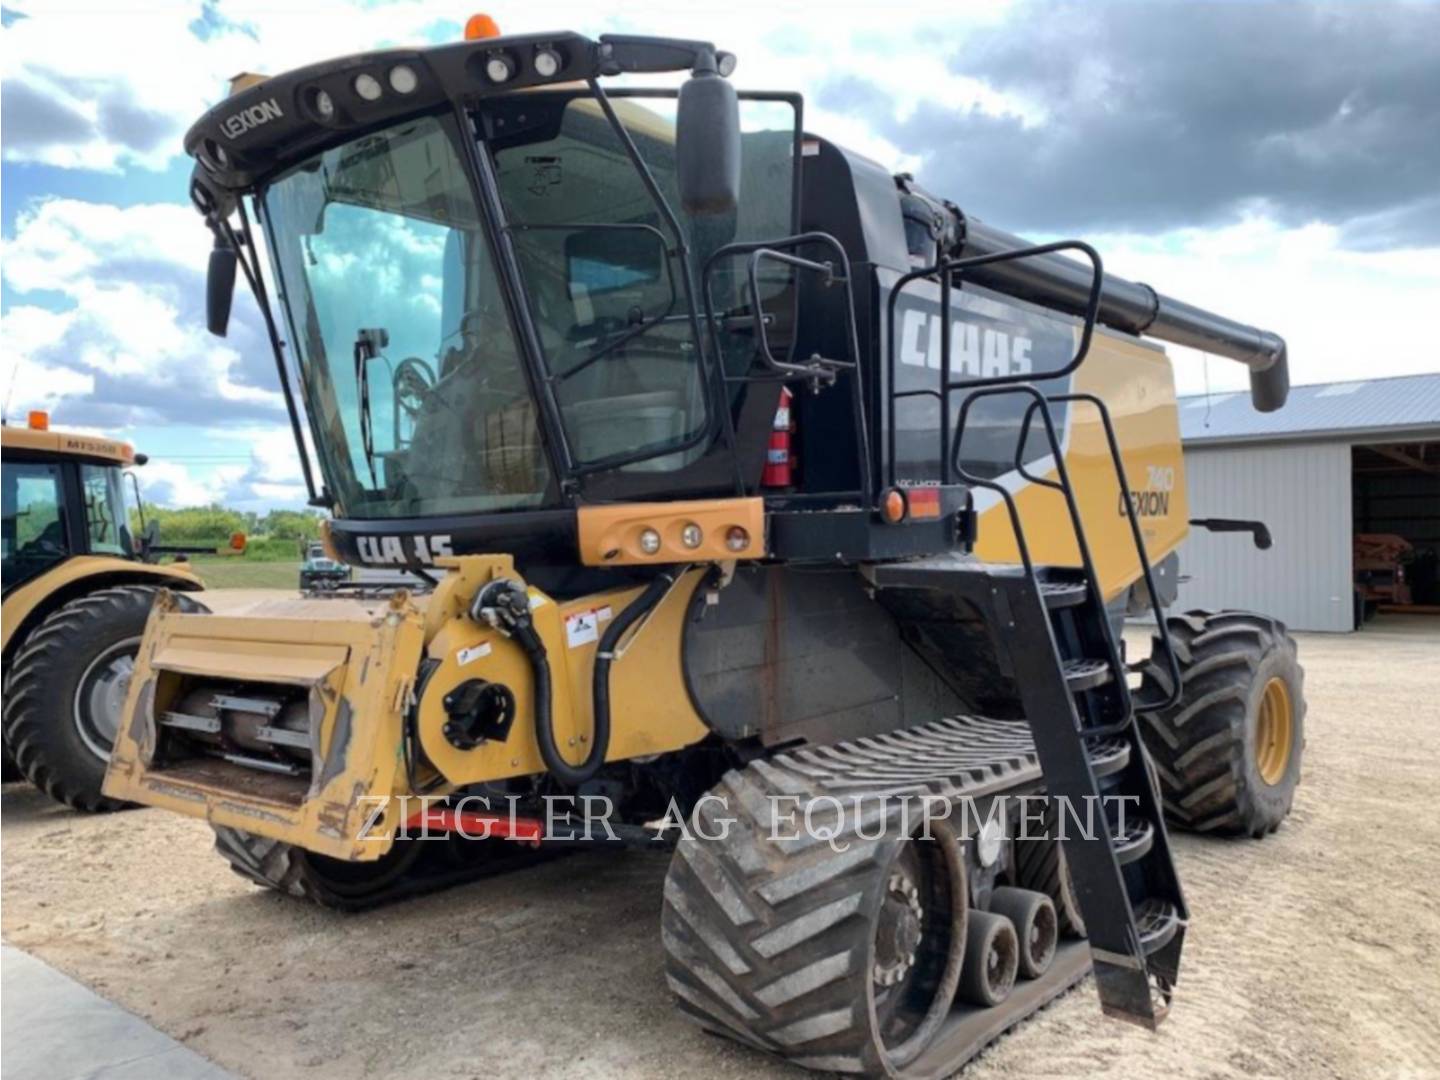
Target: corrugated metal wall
[{"x": 1302, "y": 492}]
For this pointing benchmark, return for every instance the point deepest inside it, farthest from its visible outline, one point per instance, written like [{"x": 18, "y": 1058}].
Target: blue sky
[{"x": 1273, "y": 162}]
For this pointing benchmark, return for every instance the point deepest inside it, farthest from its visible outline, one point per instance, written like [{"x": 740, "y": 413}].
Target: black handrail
[{"x": 783, "y": 371}]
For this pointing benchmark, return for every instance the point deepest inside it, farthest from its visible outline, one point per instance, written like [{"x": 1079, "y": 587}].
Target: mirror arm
[
  {"x": 248, "y": 258},
  {"x": 619, "y": 54}
]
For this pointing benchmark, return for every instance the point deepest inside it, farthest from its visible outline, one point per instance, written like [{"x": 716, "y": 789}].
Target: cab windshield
[
  {"x": 412, "y": 378},
  {"x": 414, "y": 385}
]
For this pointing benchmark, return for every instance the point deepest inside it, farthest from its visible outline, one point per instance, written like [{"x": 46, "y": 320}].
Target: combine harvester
[{"x": 725, "y": 463}]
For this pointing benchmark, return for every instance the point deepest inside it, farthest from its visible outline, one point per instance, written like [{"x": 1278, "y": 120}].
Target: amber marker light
[
  {"x": 479, "y": 27},
  {"x": 892, "y": 507}
]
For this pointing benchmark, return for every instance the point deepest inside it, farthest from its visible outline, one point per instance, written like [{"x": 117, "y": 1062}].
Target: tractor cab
[{"x": 64, "y": 497}]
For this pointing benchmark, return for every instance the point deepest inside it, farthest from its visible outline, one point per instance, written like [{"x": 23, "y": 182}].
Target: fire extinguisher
[{"x": 779, "y": 466}]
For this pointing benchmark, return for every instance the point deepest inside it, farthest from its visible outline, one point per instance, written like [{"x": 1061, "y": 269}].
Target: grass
[{"x": 237, "y": 572}]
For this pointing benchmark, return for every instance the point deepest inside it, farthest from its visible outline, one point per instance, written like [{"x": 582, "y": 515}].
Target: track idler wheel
[
  {"x": 1036, "y": 927},
  {"x": 992, "y": 959}
]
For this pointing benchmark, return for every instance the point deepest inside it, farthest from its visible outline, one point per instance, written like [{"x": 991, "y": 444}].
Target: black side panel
[
  {"x": 939, "y": 628},
  {"x": 792, "y": 654}
]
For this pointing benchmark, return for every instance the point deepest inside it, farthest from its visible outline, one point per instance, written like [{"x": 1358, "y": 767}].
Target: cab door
[{"x": 37, "y": 530}]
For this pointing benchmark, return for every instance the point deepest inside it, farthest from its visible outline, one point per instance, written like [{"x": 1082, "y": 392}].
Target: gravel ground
[{"x": 1315, "y": 953}]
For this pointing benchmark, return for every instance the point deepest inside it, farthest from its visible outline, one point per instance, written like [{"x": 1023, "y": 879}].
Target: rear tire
[
  {"x": 8, "y": 769},
  {"x": 66, "y": 691},
  {"x": 1228, "y": 754}
]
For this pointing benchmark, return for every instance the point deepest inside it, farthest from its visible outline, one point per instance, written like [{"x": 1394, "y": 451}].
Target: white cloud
[
  {"x": 131, "y": 346},
  {"x": 96, "y": 88},
  {"x": 101, "y": 88}
]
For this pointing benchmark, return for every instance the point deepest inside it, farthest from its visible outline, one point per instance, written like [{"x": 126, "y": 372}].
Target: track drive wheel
[
  {"x": 332, "y": 883},
  {"x": 1228, "y": 754},
  {"x": 842, "y": 960},
  {"x": 66, "y": 692}
]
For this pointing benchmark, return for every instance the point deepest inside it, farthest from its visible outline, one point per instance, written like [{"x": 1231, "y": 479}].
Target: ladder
[{"x": 1056, "y": 641}]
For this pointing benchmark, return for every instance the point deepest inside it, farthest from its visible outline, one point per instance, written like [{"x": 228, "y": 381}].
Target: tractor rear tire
[
  {"x": 1228, "y": 753},
  {"x": 66, "y": 691}
]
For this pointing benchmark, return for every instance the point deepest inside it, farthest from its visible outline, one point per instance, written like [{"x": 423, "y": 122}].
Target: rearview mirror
[
  {"x": 220, "y": 287},
  {"x": 707, "y": 145}
]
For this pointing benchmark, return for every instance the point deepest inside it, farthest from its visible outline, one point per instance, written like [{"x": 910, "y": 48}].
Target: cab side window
[
  {"x": 34, "y": 521},
  {"x": 105, "y": 513}
]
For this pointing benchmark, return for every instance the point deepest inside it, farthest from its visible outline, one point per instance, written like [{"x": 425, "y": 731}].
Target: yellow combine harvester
[
  {"x": 78, "y": 588},
  {"x": 739, "y": 482}
]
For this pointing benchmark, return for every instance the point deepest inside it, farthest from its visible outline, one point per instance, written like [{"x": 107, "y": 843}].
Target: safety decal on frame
[
  {"x": 475, "y": 652},
  {"x": 583, "y": 627}
]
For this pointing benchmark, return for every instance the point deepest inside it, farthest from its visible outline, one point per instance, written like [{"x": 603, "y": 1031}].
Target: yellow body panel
[
  {"x": 359, "y": 659},
  {"x": 31, "y": 595},
  {"x": 651, "y": 712},
  {"x": 1137, "y": 385}
]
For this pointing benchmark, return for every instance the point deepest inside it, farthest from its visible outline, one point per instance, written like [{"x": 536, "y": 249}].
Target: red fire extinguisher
[{"x": 778, "y": 464}]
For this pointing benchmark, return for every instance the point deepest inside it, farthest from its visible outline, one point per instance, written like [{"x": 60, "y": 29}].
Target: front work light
[
  {"x": 368, "y": 87},
  {"x": 403, "y": 79}
]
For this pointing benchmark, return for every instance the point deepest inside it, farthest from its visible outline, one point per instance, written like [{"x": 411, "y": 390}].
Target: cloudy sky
[{"x": 1279, "y": 163}]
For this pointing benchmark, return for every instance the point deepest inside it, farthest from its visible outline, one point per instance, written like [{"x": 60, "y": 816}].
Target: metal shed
[{"x": 1339, "y": 459}]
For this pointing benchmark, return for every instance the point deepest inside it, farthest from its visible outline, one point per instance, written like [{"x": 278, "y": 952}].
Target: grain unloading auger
[{"x": 735, "y": 475}]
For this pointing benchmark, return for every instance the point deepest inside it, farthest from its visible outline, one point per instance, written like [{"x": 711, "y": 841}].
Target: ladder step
[
  {"x": 1107, "y": 756},
  {"x": 1134, "y": 843},
  {"x": 1063, "y": 594},
  {"x": 1157, "y": 922},
  {"x": 1086, "y": 674}
]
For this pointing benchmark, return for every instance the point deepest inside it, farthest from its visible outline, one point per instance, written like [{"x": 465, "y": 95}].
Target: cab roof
[{"x": 67, "y": 444}]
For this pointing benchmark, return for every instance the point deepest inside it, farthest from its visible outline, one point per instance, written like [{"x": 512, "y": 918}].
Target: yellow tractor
[
  {"x": 743, "y": 493},
  {"x": 77, "y": 590}
]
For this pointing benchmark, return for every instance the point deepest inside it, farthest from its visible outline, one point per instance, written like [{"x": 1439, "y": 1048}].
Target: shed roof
[{"x": 1400, "y": 407}]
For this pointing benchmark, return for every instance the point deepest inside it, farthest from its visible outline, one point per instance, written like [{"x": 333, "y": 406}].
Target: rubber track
[
  {"x": 30, "y": 702},
  {"x": 424, "y": 866},
  {"x": 1196, "y": 747},
  {"x": 766, "y": 929}
]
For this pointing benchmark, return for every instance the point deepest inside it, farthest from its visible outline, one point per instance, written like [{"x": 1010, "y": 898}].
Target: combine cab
[{"x": 740, "y": 482}]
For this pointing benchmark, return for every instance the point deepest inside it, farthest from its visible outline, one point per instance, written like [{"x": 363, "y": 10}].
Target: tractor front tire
[
  {"x": 66, "y": 691},
  {"x": 1228, "y": 752}
]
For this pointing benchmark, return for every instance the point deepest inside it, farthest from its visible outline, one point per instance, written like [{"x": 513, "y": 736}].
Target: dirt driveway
[{"x": 1313, "y": 954}]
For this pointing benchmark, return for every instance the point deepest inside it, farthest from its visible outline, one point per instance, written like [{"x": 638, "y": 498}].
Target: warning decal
[
  {"x": 583, "y": 627},
  {"x": 475, "y": 652}
]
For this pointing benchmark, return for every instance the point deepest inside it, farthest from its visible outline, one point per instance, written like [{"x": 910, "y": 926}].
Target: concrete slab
[{"x": 53, "y": 1028}]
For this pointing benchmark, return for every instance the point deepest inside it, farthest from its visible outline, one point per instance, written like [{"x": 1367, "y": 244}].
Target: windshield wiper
[{"x": 368, "y": 344}]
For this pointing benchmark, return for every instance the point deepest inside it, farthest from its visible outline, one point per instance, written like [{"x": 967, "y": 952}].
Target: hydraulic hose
[
  {"x": 506, "y": 604},
  {"x": 605, "y": 651}
]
